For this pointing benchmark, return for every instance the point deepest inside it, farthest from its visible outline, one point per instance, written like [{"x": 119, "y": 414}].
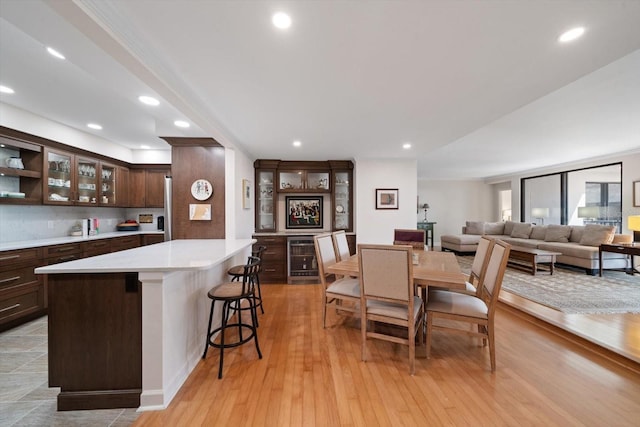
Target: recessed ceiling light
[
  {"x": 406, "y": 145},
  {"x": 297, "y": 143},
  {"x": 181, "y": 124},
  {"x": 94, "y": 126},
  {"x": 148, "y": 100},
  {"x": 571, "y": 35},
  {"x": 55, "y": 53},
  {"x": 145, "y": 147},
  {"x": 281, "y": 20},
  {"x": 6, "y": 89}
]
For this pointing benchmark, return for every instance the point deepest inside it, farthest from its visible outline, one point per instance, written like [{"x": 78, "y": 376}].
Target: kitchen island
[{"x": 127, "y": 328}]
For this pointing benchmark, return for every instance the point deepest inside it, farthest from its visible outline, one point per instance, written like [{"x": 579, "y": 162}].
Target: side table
[
  {"x": 428, "y": 232},
  {"x": 628, "y": 249}
]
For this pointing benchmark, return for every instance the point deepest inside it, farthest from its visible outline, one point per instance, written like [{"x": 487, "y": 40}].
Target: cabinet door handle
[
  {"x": 67, "y": 249},
  {"x": 10, "y": 279},
  {"x": 66, "y": 258},
  {"x": 6, "y": 258},
  {"x": 270, "y": 269},
  {"x": 10, "y": 308}
]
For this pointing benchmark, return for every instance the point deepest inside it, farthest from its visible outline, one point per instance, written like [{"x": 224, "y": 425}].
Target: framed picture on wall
[
  {"x": 386, "y": 198},
  {"x": 246, "y": 194},
  {"x": 304, "y": 212},
  {"x": 636, "y": 194}
]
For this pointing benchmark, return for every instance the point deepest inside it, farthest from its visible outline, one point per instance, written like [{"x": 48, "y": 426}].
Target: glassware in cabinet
[
  {"x": 59, "y": 177},
  {"x": 265, "y": 206},
  {"x": 87, "y": 180},
  {"x": 342, "y": 200},
  {"x": 108, "y": 180}
]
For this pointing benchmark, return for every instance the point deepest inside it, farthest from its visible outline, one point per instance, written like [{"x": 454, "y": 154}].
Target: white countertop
[
  {"x": 23, "y": 244},
  {"x": 175, "y": 255}
]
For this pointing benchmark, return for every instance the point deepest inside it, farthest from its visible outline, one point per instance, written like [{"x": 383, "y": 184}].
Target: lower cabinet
[
  {"x": 151, "y": 239},
  {"x": 22, "y": 292},
  {"x": 274, "y": 259}
]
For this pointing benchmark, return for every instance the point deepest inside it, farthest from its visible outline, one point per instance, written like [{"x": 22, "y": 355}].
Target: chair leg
[
  {"x": 429, "y": 331},
  {"x": 412, "y": 349},
  {"x": 324, "y": 311},
  {"x": 225, "y": 314},
  {"x": 254, "y": 320},
  {"x": 206, "y": 343},
  {"x": 259, "y": 293},
  {"x": 363, "y": 333},
  {"x": 492, "y": 346}
]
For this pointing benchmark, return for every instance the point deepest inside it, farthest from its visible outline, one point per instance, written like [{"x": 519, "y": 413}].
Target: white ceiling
[{"x": 479, "y": 88}]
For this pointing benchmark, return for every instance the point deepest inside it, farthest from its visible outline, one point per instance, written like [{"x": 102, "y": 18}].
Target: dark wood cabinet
[
  {"x": 274, "y": 258},
  {"x": 146, "y": 187},
  {"x": 152, "y": 239},
  {"x": 266, "y": 197},
  {"x": 22, "y": 292},
  {"x": 21, "y": 185}
]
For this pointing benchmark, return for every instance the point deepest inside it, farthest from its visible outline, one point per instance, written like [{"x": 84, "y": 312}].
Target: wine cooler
[{"x": 301, "y": 260}]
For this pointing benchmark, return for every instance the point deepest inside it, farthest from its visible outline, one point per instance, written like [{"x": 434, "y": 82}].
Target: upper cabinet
[
  {"x": 334, "y": 177},
  {"x": 303, "y": 181},
  {"x": 20, "y": 172},
  {"x": 342, "y": 194},
  {"x": 146, "y": 187}
]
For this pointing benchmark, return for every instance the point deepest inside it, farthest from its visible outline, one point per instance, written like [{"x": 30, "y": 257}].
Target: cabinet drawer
[
  {"x": 126, "y": 242},
  {"x": 273, "y": 273},
  {"x": 19, "y": 257},
  {"x": 63, "y": 250},
  {"x": 21, "y": 301},
  {"x": 63, "y": 258},
  {"x": 16, "y": 277},
  {"x": 98, "y": 247}
]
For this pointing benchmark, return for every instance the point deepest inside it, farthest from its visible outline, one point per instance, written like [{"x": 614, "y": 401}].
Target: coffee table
[{"x": 530, "y": 258}]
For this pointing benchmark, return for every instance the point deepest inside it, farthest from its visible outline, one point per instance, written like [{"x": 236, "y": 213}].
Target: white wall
[
  {"x": 239, "y": 221},
  {"x": 452, "y": 203},
  {"x": 25, "y": 121},
  {"x": 376, "y": 226}
]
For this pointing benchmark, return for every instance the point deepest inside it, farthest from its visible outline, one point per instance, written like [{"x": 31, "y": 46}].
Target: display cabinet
[
  {"x": 308, "y": 181},
  {"x": 342, "y": 197},
  {"x": 109, "y": 194},
  {"x": 87, "y": 180},
  {"x": 59, "y": 178},
  {"x": 20, "y": 172},
  {"x": 266, "y": 208}
]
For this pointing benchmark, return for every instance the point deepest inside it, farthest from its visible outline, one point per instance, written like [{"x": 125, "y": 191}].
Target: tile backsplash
[{"x": 27, "y": 222}]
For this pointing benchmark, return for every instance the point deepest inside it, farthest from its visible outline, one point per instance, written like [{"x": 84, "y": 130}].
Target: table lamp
[
  {"x": 425, "y": 207},
  {"x": 633, "y": 223},
  {"x": 540, "y": 213}
]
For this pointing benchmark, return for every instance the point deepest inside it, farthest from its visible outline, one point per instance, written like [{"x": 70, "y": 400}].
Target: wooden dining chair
[
  {"x": 414, "y": 238},
  {"x": 334, "y": 292},
  {"x": 341, "y": 245},
  {"x": 479, "y": 310},
  {"x": 388, "y": 296},
  {"x": 479, "y": 265}
]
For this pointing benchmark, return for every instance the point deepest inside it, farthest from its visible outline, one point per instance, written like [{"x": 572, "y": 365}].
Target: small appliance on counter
[{"x": 161, "y": 222}]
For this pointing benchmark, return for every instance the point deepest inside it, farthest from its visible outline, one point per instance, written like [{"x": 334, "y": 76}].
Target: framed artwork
[
  {"x": 201, "y": 189},
  {"x": 636, "y": 194},
  {"x": 246, "y": 194},
  {"x": 199, "y": 212},
  {"x": 304, "y": 212},
  {"x": 386, "y": 198}
]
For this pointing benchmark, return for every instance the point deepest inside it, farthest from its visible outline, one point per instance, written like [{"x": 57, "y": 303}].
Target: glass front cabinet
[
  {"x": 77, "y": 180},
  {"x": 266, "y": 200}
]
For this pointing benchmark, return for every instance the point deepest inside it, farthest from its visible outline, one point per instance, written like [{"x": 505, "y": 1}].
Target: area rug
[{"x": 571, "y": 290}]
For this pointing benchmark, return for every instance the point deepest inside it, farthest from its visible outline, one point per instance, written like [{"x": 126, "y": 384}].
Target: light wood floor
[{"x": 314, "y": 376}]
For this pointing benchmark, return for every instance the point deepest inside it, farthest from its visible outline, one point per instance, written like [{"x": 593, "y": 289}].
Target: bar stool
[
  {"x": 237, "y": 270},
  {"x": 231, "y": 295}
]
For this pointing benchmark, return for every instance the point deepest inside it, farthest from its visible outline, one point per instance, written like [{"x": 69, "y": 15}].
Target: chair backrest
[
  {"x": 341, "y": 245},
  {"x": 491, "y": 282},
  {"x": 257, "y": 252},
  {"x": 481, "y": 258},
  {"x": 250, "y": 271},
  {"x": 410, "y": 237},
  {"x": 386, "y": 272},
  {"x": 325, "y": 254}
]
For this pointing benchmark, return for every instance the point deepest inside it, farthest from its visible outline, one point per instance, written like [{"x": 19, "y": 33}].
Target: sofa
[{"x": 577, "y": 243}]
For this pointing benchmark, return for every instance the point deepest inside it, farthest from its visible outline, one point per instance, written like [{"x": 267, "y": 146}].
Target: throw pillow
[
  {"x": 494, "y": 228},
  {"x": 508, "y": 227},
  {"x": 595, "y": 234},
  {"x": 475, "y": 227},
  {"x": 576, "y": 233},
  {"x": 558, "y": 233},
  {"x": 538, "y": 232},
  {"x": 521, "y": 230}
]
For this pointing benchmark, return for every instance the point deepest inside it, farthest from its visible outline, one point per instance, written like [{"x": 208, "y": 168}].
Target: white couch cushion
[
  {"x": 494, "y": 228},
  {"x": 521, "y": 230},
  {"x": 474, "y": 227},
  {"x": 557, "y": 233},
  {"x": 596, "y": 234},
  {"x": 538, "y": 232}
]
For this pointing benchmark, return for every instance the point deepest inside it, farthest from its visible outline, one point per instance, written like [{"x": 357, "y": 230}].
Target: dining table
[{"x": 430, "y": 269}]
